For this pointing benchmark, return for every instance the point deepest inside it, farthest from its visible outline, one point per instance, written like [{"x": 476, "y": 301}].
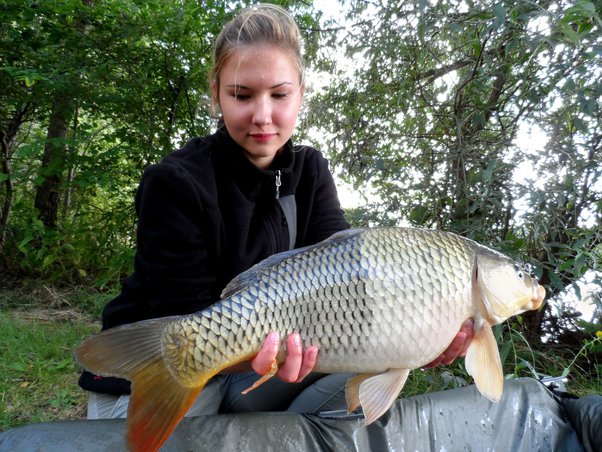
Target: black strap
[{"x": 289, "y": 208}]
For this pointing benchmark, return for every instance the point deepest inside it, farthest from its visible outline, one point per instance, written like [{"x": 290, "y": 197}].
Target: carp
[{"x": 378, "y": 302}]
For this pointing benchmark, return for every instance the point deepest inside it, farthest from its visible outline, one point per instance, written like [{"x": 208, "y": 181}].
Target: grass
[
  {"x": 40, "y": 327},
  {"x": 39, "y": 376}
]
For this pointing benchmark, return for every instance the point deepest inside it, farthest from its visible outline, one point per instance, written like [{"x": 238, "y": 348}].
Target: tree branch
[{"x": 434, "y": 74}]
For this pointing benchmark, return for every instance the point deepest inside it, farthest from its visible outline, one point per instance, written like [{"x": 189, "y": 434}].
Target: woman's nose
[{"x": 262, "y": 115}]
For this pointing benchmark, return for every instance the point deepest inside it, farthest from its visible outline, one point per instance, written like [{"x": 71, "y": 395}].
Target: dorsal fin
[{"x": 249, "y": 276}]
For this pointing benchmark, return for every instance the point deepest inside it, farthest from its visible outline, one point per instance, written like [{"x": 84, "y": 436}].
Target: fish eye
[
  {"x": 523, "y": 269},
  {"x": 528, "y": 269},
  {"x": 519, "y": 271}
]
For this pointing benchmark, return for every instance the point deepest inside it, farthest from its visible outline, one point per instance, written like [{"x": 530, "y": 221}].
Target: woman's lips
[{"x": 262, "y": 136}]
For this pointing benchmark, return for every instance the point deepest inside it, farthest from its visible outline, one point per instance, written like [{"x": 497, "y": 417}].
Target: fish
[{"x": 377, "y": 302}]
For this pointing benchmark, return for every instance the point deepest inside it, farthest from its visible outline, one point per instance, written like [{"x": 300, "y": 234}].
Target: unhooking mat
[{"x": 528, "y": 418}]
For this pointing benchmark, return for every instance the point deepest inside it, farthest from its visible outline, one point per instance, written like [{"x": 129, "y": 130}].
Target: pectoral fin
[
  {"x": 352, "y": 391},
  {"x": 273, "y": 370},
  {"x": 376, "y": 393},
  {"x": 483, "y": 363}
]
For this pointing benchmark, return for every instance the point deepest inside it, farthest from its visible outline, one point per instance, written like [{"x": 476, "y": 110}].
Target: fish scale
[
  {"x": 369, "y": 280},
  {"x": 378, "y": 302}
]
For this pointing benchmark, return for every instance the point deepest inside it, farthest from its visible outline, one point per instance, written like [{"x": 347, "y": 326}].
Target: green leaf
[
  {"x": 63, "y": 364},
  {"x": 29, "y": 81},
  {"x": 48, "y": 260},
  {"x": 580, "y": 125},
  {"x": 556, "y": 281},
  {"x": 19, "y": 367},
  {"x": 569, "y": 34},
  {"x": 500, "y": 15},
  {"x": 24, "y": 242},
  {"x": 566, "y": 265},
  {"x": 580, "y": 264}
]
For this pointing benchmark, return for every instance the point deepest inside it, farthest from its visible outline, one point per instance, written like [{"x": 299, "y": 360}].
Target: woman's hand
[
  {"x": 458, "y": 347},
  {"x": 298, "y": 362}
]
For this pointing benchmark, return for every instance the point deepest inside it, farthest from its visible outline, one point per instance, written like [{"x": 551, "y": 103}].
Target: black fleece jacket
[{"x": 206, "y": 213}]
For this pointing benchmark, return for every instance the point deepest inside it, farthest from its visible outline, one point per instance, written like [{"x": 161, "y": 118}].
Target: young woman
[{"x": 226, "y": 201}]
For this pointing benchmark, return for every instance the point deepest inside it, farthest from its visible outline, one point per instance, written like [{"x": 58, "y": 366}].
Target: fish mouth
[{"x": 539, "y": 293}]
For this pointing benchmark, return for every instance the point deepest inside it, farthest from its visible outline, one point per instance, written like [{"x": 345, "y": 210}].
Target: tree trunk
[
  {"x": 10, "y": 191},
  {"x": 53, "y": 162},
  {"x": 70, "y": 169},
  {"x": 52, "y": 169},
  {"x": 7, "y": 140}
]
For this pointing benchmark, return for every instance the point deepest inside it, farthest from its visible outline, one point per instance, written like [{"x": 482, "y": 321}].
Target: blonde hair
[{"x": 260, "y": 24}]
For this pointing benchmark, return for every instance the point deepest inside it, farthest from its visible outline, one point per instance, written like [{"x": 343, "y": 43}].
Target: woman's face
[{"x": 260, "y": 97}]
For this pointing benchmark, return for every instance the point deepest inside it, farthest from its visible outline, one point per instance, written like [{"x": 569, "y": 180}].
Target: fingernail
[
  {"x": 296, "y": 339},
  {"x": 274, "y": 338}
]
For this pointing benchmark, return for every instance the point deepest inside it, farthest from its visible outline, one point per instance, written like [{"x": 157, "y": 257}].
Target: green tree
[
  {"x": 429, "y": 112},
  {"x": 115, "y": 85},
  {"x": 91, "y": 93}
]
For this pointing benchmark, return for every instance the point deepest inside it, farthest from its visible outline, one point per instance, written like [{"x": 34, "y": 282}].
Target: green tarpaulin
[{"x": 528, "y": 418}]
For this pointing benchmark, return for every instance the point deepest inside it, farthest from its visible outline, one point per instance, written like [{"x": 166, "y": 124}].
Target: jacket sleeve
[
  {"x": 324, "y": 216},
  {"x": 173, "y": 275}
]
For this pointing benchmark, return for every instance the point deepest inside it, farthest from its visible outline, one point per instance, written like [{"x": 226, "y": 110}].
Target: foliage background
[{"x": 417, "y": 103}]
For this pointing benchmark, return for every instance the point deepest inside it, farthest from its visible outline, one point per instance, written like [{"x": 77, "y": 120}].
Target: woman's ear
[
  {"x": 215, "y": 93},
  {"x": 215, "y": 109}
]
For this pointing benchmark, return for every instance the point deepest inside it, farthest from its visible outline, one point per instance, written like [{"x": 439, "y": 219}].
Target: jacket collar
[{"x": 247, "y": 176}]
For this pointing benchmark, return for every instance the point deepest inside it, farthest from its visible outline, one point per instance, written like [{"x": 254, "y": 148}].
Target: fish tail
[
  {"x": 157, "y": 404},
  {"x": 158, "y": 401}
]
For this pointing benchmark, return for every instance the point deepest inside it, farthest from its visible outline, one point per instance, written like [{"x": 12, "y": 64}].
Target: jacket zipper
[
  {"x": 278, "y": 175},
  {"x": 275, "y": 228}
]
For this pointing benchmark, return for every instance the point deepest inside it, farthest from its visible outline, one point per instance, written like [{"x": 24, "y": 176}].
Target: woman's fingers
[
  {"x": 468, "y": 329},
  {"x": 289, "y": 371},
  {"x": 298, "y": 363},
  {"x": 262, "y": 363},
  {"x": 310, "y": 357},
  {"x": 458, "y": 347},
  {"x": 454, "y": 349}
]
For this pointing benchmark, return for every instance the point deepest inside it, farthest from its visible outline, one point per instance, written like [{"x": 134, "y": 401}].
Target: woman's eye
[
  {"x": 239, "y": 96},
  {"x": 279, "y": 95}
]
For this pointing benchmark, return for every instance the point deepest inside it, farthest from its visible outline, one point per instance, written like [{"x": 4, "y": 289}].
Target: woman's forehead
[{"x": 260, "y": 64}]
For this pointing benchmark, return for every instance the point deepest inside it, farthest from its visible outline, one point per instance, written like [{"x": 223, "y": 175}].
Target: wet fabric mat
[{"x": 528, "y": 418}]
